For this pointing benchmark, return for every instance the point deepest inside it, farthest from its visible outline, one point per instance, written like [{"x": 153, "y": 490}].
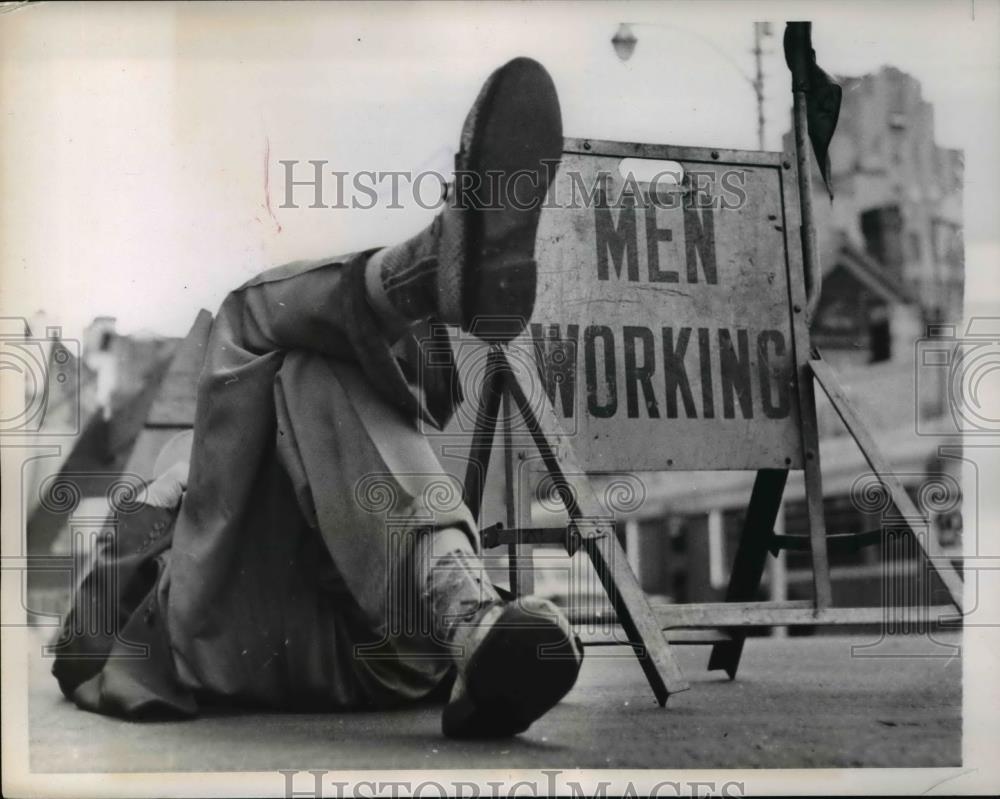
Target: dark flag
[{"x": 822, "y": 93}]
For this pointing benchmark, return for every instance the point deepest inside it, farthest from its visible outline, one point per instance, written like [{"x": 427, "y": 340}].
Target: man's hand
[{"x": 167, "y": 489}]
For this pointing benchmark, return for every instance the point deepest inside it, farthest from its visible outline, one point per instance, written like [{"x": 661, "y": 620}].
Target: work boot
[
  {"x": 515, "y": 659},
  {"x": 474, "y": 265}
]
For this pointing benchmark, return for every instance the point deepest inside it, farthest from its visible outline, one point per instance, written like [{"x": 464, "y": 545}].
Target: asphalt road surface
[{"x": 796, "y": 702}]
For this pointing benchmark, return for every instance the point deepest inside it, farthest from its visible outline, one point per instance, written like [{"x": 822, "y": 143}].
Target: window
[
  {"x": 883, "y": 232},
  {"x": 879, "y": 333}
]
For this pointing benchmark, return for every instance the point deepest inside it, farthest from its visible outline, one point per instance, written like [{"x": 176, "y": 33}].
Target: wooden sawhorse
[{"x": 722, "y": 624}]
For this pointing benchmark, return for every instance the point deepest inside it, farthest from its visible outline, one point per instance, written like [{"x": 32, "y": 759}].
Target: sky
[{"x": 140, "y": 145}]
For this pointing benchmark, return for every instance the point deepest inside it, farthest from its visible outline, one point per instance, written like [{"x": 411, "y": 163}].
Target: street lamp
[{"x": 624, "y": 41}]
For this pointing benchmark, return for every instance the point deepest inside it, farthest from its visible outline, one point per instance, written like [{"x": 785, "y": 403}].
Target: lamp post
[
  {"x": 625, "y": 41},
  {"x": 760, "y": 30}
]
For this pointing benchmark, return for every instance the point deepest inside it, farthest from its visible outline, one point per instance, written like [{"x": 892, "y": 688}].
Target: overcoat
[{"x": 275, "y": 582}]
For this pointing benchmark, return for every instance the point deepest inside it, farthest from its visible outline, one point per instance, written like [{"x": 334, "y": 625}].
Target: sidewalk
[{"x": 797, "y": 702}]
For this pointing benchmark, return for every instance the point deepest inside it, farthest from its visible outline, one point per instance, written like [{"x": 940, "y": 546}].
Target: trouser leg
[
  {"x": 228, "y": 597},
  {"x": 368, "y": 481}
]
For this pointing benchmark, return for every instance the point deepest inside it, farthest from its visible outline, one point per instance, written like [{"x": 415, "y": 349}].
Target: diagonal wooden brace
[
  {"x": 828, "y": 381},
  {"x": 626, "y": 595},
  {"x": 485, "y": 432}
]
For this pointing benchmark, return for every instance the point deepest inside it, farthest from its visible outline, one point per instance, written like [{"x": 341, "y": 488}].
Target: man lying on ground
[{"x": 251, "y": 571}]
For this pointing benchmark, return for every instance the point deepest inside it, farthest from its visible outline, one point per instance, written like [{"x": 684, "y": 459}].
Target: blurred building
[
  {"x": 898, "y": 195},
  {"x": 98, "y": 393}
]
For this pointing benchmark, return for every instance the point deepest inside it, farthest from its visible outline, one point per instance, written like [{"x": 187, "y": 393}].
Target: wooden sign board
[{"x": 668, "y": 331}]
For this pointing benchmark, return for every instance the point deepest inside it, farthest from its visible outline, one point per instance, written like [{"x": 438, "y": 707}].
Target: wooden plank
[
  {"x": 838, "y": 542},
  {"x": 751, "y": 557},
  {"x": 728, "y": 617},
  {"x": 596, "y": 531},
  {"x": 828, "y": 381},
  {"x": 493, "y": 537},
  {"x": 763, "y": 614},
  {"x": 520, "y": 553},
  {"x": 697, "y": 614},
  {"x": 808, "y": 426},
  {"x": 147, "y": 448},
  {"x": 672, "y": 152},
  {"x": 835, "y": 542},
  {"x": 175, "y": 404},
  {"x": 818, "y": 553},
  {"x": 674, "y": 638},
  {"x": 173, "y": 409}
]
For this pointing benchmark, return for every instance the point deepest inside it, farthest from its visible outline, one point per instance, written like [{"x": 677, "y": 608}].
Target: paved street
[{"x": 797, "y": 702}]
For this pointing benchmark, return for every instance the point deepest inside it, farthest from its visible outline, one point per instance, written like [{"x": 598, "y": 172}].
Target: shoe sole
[
  {"x": 515, "y": 126},
  {"x": 524, "y": 666}
]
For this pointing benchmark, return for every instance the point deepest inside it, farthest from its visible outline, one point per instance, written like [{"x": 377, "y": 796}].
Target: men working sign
[{"x": 663, "y": 327}]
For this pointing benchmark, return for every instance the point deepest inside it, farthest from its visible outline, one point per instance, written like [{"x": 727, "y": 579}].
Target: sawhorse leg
[
  {"x": 595, "y": 532},
  {"x": 484, "y": 432},
  {"x": 751, "y": 557},
  {"x": 520, "y": 556}
]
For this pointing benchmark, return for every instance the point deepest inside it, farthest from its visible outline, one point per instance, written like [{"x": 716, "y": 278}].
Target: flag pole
[{"x": 801, "y": 34}]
